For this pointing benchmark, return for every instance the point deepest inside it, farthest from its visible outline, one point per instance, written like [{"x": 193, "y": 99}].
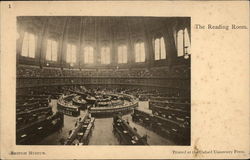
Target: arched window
[
  {"x": 88, "y": 55},
  {"x": 29, "y": 45},
  {"x": 160, "y": 50},
  {"x": 105, "y": 55},
  {"x": 71, "y": 54},
  {"x": 122, "y": 54},
  {"x": 51, "y": 53},
  {"x": 183, "y": 42},
  {"x": 139, "y": 52}
]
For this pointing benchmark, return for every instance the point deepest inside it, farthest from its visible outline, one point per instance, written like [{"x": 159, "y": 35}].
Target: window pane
[
  {"x": 91, "y": 55},
  {"x": 32, "y": 45},
  {"x": 180, "y": 43},
  {"x": 48, "y": 51},
  {"x": 29, "y": 45},
  {"x": 25, "y": 46},
  {"x": 157, "y": 49},
  {"x": 163, "y": 49},
  {"x": 142, "y": 56},
  {"x": 120, "y": 54},
  {"x": 85, "y": 52},
  {"x": 88, "y": 54},
  {"x": 73, "y": 54},
  {"x": 124, "y": 53},
  {"x": 187, "y": 41},
  {"x": 68, "y": 55},
  {"x": 103, "y": 55},
  {"x": 137, "y": 52},
  {"x": 54, "y": 50}
]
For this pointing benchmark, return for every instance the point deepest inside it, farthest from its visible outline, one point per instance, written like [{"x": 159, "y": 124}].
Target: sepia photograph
[
  {"x": 124, "y": 80},
  {"x": 103, "y": 80}
]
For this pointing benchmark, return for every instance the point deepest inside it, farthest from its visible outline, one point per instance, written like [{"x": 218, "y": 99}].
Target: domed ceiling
[
  {"x": 98, "y": 31},
  {"x": 95, "y": 28}
]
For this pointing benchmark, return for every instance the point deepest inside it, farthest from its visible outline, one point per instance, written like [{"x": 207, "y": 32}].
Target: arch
[
  {"x": 52, "y": 49},
  {"x": 71, "y": 54},
  {"x": 140, "y": 55},
  {"x": 29, "y": 45},
  {"x": 88, "y": 54},
  {"x": 159, "y": 48}
]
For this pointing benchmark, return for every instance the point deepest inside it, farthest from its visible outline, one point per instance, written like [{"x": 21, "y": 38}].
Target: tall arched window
[
  {"x": 139, "y": 52},
  {"x": 160, "y": 50},
  {"x": 88, "y": 55},
  {"x": 183, "y": 42},
  {"x": 122, "y": 54},
  {"x": 29, "y": 45},
  {"x": 51, "y": 53},
  {"x": 105, "y": 55},
  {"x": 71, "y": 54}
]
